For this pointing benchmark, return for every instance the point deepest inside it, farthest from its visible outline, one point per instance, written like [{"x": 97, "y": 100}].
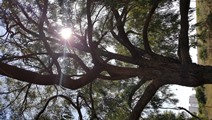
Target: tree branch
[
  {"x": 93, "y": 110},
  {"x": 35, "y": 78},
  {"x": 134, "y": 89},
  {"x": 43, "y": 38},
  {"x": 62, "y": 96},
  {"x": 122, "y": 35},
  {"x": 92, "y": 44},
  {"x": 16, "y": 97},
  {"x": 146, "y": 26},
  {"x": 144, "y": 100},
  {"x": 182, "y": 108},
  {"x": 183, "y": 43},
  {"x": 26, "y": 95}
]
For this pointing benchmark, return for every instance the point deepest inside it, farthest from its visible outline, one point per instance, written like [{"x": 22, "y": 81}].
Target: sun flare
[{"x": 66, "y": 33}]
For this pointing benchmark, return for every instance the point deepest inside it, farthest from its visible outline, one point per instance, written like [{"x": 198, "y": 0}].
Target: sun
[{"x": 66, "y": 33}]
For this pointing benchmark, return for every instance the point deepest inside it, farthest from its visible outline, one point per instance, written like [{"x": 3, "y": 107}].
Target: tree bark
[
  {"x": 144, "y": 100},
  {"x": 183, "y": 47}
]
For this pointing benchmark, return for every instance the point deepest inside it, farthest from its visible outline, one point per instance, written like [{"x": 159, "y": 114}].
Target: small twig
[
  {"x": 24, "y": 103},
  {"x": 9, "y": 92},
  {"x": 14, "y": 99},
  {"x": 193, "y": 115},
  {"x": 27, "y": 92},
  {"x": 182, "y": 108},
  {"x": 94, "y": 115},
  {"x": 83, "y": 98}
]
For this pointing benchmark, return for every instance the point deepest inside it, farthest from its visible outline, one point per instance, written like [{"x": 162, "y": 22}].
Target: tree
[
  {"x": 168, "y": 115},
  {"x": 142, "y": 33}
]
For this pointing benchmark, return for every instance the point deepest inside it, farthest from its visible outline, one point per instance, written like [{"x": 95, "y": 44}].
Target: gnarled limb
[
  {"x": 144, "y": 99},
  {"x": 183, "y": 44},
  {"x": 35, "y": 78}
]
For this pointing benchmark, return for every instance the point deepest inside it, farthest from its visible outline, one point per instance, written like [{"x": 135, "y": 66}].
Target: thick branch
[
  {"x": 183, "y": 47},
  {"x": 144, "y": 100},
  {"x": 134, "y": 89},
  {"x": 35, "y": 78}
]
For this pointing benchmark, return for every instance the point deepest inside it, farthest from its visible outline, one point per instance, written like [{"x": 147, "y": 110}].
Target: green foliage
[
  {"x": 203, "y": 53},
  {"x": 164, "y": 25},
  {"x": 164, "y": 95},
  {"x": 200, "y": 95},
  {"x": 209, "y": 21},
  {"x": 111, "y": 99},
  {"x": 168, "y": 115}
]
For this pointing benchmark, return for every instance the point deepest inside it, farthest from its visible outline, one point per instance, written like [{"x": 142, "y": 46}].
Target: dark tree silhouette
[{"x": 32, "y": 48}]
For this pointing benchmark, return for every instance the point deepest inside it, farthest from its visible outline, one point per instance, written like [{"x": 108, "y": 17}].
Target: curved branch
[
  {"x": 134, "y": 89},
  {"x": 182, "y": 108},
  {"x": 35, "y": 78},
  {"x": 84, "y": 99},
  {"x": 62, "y": 96},
  {"x": 144, "y": 99},
  {"x": 146, "y": 26}
]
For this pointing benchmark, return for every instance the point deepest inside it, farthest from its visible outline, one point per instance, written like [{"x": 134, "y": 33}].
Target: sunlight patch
[{"x": 66, "y": 33}]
